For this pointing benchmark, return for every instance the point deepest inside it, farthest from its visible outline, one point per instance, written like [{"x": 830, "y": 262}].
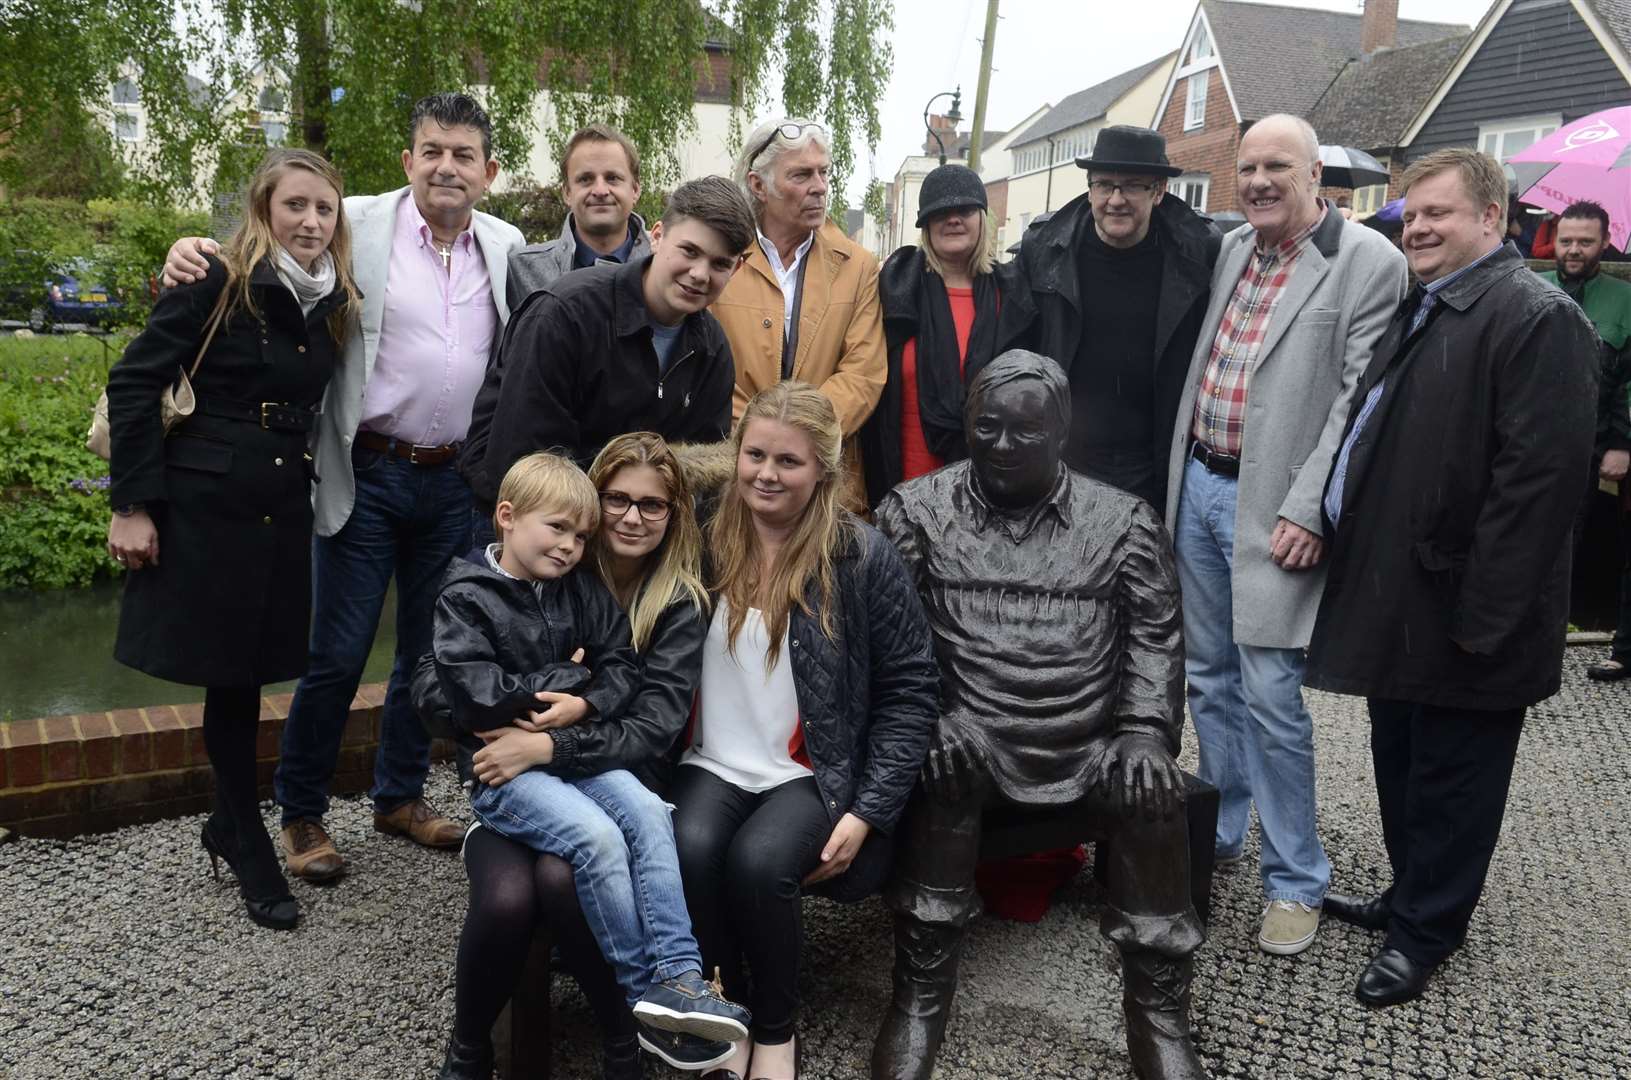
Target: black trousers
[
  {"x": 743, "y": 857},
  {"x": 1442, "y": 776}
]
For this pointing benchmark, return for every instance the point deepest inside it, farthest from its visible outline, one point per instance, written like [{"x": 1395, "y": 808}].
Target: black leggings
[
  {"x": 743, "y": 857},
  {"x": 513, "y": 890},
  {"x": 231, "y": 722}
]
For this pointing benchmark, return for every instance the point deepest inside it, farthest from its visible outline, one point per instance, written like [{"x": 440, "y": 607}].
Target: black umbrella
[{"x": 1346, "y": 167}]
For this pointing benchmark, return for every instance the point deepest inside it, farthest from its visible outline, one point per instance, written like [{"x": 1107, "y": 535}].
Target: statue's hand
[
  {"x": 1151, "y": 782},
  {"x": 948, "y": 772}
]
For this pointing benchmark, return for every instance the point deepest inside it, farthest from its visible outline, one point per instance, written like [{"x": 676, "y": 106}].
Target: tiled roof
[
  {"x": 1281, "y": 59},
  {"x": 1616, "y": 15},
  {"x": 1089, "y": 104},
  {"x": 1371, "y": 103}
]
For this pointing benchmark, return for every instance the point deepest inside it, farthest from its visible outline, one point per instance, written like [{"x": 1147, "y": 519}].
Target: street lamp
[{"x": 954, "y": 116}]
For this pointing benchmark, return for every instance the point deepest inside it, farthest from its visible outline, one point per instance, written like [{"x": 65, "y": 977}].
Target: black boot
[
  {"x": 467, "y": 1061},
  {"x": 620, "y": 1058},
  {"x": 1155, "y": 998},
  {"x": 925, "y": 982}
]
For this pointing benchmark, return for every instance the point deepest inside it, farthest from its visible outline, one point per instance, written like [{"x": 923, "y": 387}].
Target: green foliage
[
  {"x": 124, "y": 243},
  {"x": 350, "y": 71},
  {"x": 53, "y": 498},
  {"x": 537, "y": 211}
]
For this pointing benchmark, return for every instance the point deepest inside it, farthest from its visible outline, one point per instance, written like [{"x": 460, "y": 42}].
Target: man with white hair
[
  {"x": 805, "y": 304},
  {"x": 1299, "y": 298}
]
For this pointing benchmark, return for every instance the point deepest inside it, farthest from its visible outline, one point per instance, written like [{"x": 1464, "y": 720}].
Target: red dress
[{"x": 915, "y": 456}]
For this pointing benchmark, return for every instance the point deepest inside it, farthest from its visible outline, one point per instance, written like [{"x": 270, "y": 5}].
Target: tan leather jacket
[{"x": 840, "y": 343}]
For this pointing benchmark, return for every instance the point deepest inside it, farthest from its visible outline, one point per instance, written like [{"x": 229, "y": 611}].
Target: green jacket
[{"x": 1606, "y": 301}]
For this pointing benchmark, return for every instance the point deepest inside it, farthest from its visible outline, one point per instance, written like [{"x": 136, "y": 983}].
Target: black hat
[
  {"x": 950, "y": 187},
  {"x": 1127, "y": 149}
]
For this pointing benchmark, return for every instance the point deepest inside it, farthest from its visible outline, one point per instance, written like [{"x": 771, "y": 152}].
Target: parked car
[{"x": 69, "y": 295}]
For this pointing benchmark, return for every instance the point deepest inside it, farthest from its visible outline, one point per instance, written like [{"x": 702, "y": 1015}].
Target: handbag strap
[{"x": 214, "y": 324}]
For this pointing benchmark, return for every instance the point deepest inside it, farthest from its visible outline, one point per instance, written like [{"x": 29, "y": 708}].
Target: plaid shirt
[{"x": 1220, "y": 406}]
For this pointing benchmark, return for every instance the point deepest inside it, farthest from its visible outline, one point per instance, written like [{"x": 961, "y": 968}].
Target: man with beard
[{"x": 1582, "y": 234}]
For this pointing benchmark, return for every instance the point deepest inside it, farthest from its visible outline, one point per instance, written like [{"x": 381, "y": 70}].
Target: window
[
  {"x": 1192, "y": 189},
  {"x": 125, "y": 92},
  {"x": 1503, "y": 138},
  {"x": 1195, "y": 105},
  {"x": 275, "y": 131},
  {"x": 272, "y": 100},
  {"x": 126, "y": 127},
  {"x": 1201, "y": 48},
  {"x": 1368, "y": 200}
]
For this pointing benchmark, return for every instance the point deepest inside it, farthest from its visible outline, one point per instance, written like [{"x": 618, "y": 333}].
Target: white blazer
[{"x": 373, "y": 226}]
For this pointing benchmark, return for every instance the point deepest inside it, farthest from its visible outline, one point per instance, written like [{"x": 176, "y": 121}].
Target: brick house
[{"x": 1243, "y": 61}]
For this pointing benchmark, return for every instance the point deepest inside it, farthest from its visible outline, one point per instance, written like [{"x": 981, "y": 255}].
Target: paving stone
[{"x": 120, "y": 957}]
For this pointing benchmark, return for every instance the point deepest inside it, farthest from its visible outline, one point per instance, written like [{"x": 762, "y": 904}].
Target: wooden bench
[{"x": 522, "y": 1035}]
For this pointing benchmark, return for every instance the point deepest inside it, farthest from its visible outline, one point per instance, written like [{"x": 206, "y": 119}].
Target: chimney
[
  {"x": 1379, "y": 27},
  {"x": 947, "y": 131}
]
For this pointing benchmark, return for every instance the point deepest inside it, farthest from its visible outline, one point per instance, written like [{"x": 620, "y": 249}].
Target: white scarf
[{"x": 307, "y": 288}]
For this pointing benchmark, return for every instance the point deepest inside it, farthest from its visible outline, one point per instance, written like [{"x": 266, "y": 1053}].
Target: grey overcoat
[{"x": 1342, "y": 292}]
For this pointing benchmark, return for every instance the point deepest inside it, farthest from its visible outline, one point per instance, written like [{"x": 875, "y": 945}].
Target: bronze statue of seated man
[{"x": 1054, "y": 605}]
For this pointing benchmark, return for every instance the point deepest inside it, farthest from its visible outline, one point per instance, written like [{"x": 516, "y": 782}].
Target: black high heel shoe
[{"x": 274, "y": 908}]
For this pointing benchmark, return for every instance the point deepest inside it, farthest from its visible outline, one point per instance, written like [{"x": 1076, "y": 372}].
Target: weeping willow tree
[{"x": 349, "y": 71}]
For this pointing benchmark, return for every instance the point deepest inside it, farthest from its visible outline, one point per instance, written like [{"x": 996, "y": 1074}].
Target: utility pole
[{"x": 984, "y": 89}]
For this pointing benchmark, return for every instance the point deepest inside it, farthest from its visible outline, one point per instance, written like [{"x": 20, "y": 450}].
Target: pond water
[{"x": 56, "y": 656}]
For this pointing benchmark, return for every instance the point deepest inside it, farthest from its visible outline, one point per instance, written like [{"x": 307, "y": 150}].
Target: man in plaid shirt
[{"x": 1299, "y": 298}]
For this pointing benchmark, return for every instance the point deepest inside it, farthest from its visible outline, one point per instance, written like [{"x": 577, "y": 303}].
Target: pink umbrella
[{"x": 1588, "y": 159}]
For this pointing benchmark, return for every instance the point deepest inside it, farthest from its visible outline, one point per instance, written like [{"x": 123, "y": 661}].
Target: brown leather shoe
[
  {"x": 419, "y": 822},
  {"x": 310, "y": 853}
]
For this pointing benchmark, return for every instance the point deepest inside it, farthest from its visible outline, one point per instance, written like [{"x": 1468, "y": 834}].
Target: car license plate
[{"x": 95, "y": 297}]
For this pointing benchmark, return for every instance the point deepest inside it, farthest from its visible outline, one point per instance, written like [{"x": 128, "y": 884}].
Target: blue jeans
[
  {"x": 1256, "y": 737},
  {"x": 619, "y": 838},
  {"x": 409, "y": 520}
]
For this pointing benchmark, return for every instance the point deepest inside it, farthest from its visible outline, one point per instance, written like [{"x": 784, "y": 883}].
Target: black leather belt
[
  {"x": 1214, "y": 462},
  {"x": 271, "y": 415}
]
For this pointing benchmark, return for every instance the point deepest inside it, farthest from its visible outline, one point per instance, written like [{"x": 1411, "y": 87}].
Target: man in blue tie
[{"x": 1449, "y": 508}]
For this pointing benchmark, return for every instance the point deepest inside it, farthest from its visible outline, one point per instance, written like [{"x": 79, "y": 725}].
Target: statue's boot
[
  {"x": 925, "y": 982},
  {"x": 1155, "y": 998}
]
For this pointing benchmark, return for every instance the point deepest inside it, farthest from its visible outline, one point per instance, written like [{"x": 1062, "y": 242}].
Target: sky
[{"x": 1045, "y": 51}]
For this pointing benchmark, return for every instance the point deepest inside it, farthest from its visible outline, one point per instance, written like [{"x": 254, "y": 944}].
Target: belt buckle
[
  {"x": 413, "y": 453},
  {"x": 266, "y": 406}
]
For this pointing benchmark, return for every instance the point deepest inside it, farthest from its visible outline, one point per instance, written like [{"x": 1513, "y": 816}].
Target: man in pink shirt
[{"x": 391, "y": 503}]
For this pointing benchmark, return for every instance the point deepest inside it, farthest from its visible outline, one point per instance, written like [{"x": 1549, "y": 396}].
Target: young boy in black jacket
[{"x": 505, "y": 639}]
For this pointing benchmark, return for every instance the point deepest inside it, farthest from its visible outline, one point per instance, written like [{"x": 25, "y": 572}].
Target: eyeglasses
[
  {"x": 788, "y": 131},
  {"x": 617, "y": 504},
  {"x": 1132, "y": 189}
]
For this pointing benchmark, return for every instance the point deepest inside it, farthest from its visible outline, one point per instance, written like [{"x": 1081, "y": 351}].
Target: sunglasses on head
[{"x": 788, "y": 131}]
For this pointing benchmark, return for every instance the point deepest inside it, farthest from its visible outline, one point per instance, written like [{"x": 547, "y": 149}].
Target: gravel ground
[{"x": 119, "y": 957}]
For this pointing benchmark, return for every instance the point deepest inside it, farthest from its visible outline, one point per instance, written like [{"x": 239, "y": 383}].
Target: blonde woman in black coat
[{"x": 214, "y": 520}]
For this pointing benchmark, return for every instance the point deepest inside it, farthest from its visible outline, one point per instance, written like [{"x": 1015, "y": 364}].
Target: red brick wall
[
  {"x": 996, "y": 199},
  {"x": 93, "y": 772},
  {"x": 1209, "y": 149}
]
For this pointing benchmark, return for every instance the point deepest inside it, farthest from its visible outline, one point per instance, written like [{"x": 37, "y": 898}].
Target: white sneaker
[{"x": 1288, "y": 927}]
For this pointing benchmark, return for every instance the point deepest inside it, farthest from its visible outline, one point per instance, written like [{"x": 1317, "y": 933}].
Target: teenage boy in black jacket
[{"x": 613, "y": 349}]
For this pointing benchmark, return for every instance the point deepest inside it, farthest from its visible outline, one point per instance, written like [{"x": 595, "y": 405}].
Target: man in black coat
[
  {"x": 1114, "y": 288},
  {"x": 1449, "y": 505},
  {"x": 617, "y": 348}
]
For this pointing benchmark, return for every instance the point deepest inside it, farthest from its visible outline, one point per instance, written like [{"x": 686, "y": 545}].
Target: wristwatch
[{"x": 129, "y": 508}]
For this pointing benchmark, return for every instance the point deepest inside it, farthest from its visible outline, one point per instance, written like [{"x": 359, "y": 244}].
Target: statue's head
[{"x": 1016, "y": 418}]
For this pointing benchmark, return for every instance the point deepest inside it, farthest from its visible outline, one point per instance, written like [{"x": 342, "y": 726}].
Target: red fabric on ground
[{"x": 1021, "y": 889}]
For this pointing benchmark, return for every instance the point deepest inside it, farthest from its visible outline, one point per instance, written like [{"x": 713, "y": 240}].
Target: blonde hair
[
  {"x": 674, "y": 568},
  {"x": 549, "y": 481},
  {"x": 982, "y": 260},
  {"x": 810, "y": 553},
  {"x": 254, "y": 240},
  {"x": 1481, "y": 177}
]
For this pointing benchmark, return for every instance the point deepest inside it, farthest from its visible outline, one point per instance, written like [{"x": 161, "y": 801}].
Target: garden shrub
[{"x": 53, "y": 492}]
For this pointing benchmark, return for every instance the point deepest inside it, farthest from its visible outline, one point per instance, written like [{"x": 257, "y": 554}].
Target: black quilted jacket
[{"x": 868, "y": 699}]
